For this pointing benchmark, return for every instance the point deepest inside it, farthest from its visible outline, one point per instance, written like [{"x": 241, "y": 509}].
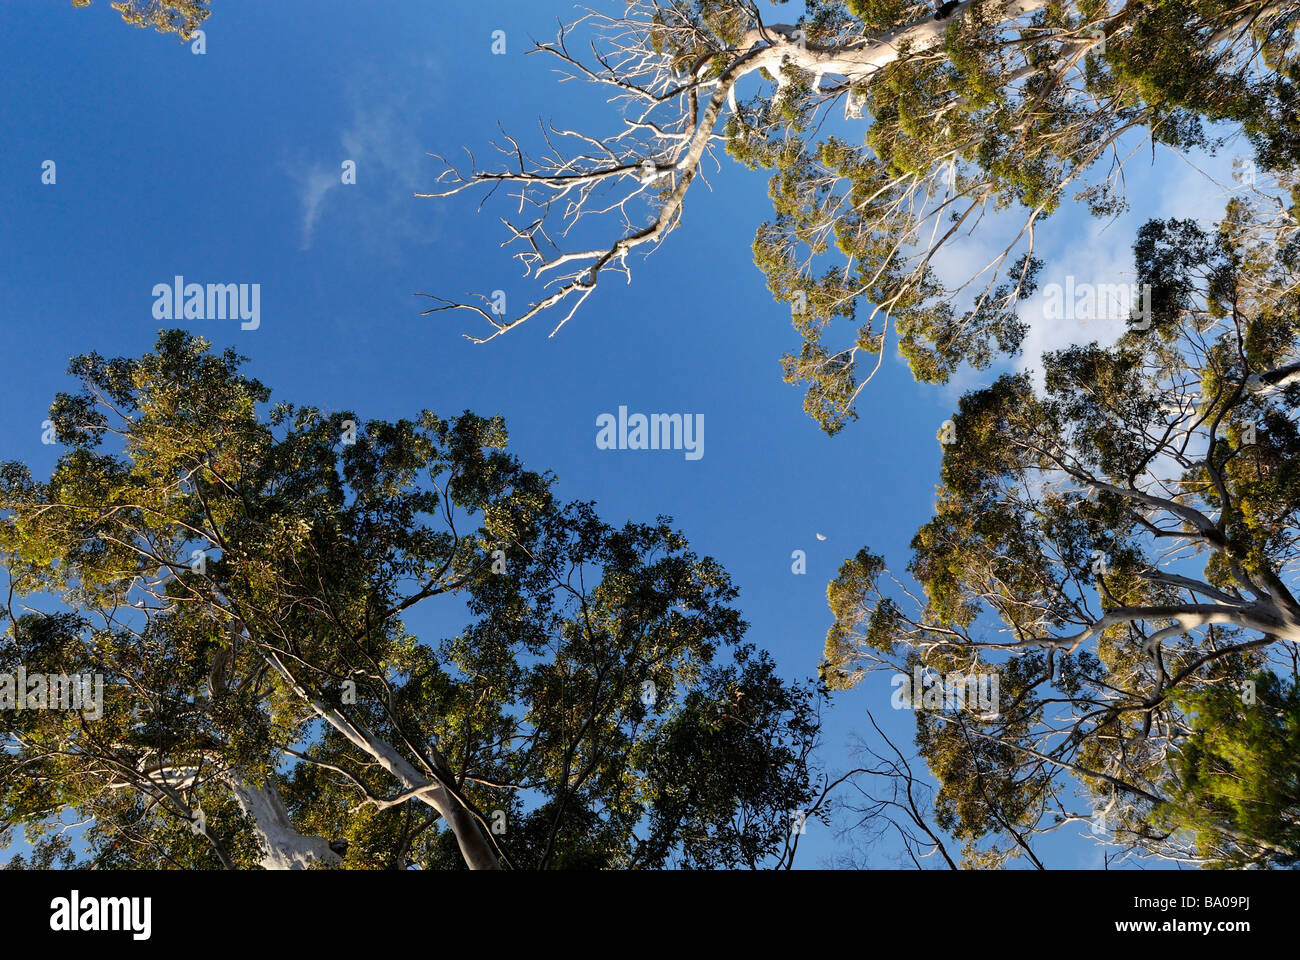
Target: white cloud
[
  {"x": 1100, "y": 254},
  {"x": 315, "y": 184},
  {"x": 1091, "y": 250},
  {"x": 383, "y": 137}
]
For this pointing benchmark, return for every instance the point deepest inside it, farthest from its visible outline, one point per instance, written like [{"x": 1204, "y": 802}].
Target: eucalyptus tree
[
  {"x": 241, "y": 578},
  {"x": 1120, "y": 548},
  {"x": 950, "y": 114}
]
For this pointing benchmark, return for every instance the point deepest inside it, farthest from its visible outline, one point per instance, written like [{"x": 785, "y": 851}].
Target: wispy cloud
[
  {"x": 381, "y": 135},
  {"x": 316, "y": 184}
]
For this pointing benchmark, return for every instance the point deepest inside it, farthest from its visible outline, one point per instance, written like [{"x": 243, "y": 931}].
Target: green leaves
[
  {"x": 1120, "y": 546},
  {"x": 1239, "y": 766},
  {"x": 1002, "y": 115},
  {"x": 239, "y": 573}
]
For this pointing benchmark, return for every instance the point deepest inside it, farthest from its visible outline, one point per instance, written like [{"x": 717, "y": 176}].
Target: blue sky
[{"x": 224, "y": 168}]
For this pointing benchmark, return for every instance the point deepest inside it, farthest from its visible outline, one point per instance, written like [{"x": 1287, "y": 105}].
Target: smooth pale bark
[
  {"x": 283, "y": 847},
  {"x": 860, "y": 60},
  {"x": 765, "y": 49},
  {"x": 474, "y": 847},
  {"x": 1274, "y": 381}
]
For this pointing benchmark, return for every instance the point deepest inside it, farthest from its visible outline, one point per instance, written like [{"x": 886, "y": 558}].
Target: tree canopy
[
  {"x": 241, "y": 576},
  {"x": 1120, "y": 547},
  {"x": 948, "y": 116}
]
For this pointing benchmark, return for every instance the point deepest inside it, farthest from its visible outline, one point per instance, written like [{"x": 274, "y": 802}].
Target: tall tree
[
  {"x": 967, "y": 109},
  {"x": 1121, "y": 549},
  {"x": 240, "y": 577}
]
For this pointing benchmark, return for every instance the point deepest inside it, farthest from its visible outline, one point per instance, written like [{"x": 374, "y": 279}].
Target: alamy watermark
[
  {"x": 1244, "y": 171},
  {"x": 957, "y": 691},
  {"x": 179, "y": 300},
  {"x": 75, "y": 913},
  {"x": 658, "y": 431},
  {"x": 53, "y": 691},
  {"x": 1085, "y": 302}
]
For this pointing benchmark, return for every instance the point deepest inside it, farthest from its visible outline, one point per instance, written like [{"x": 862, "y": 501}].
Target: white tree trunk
[
  {"x": 474, "y": 847},
  {"x": 861, "y": 60},
  {"x": 283, "y": 847}
]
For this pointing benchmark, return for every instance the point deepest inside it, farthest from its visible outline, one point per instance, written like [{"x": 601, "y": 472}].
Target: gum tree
[
  {"x": 890, "y": 129},
  {"x": 242, "y": 577},
  {"x": 1120, "y": 546}
]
